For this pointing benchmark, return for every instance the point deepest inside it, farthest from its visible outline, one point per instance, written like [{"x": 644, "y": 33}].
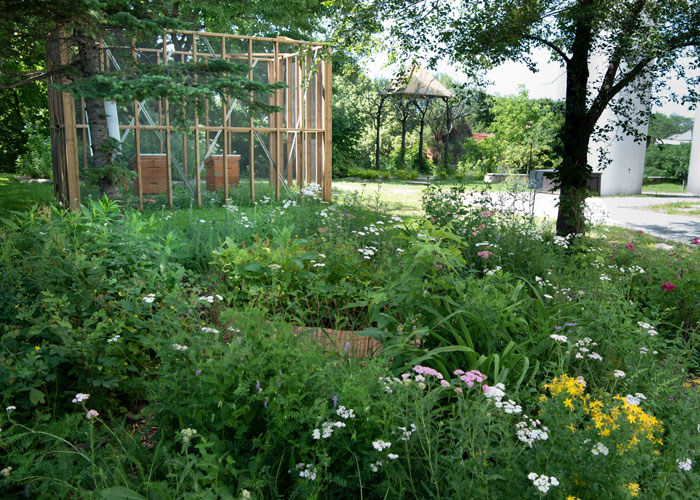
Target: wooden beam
[
  {"x": 251, "y": 163},
  {"x": 137, "y": 137},
  {"x": 278, "y": 124},
  {"x": 168, "y": 152},
  {"x": 197, "y": 158},
  {"x": 225, "y": 126},
  {"x": 328, "y": 129}
]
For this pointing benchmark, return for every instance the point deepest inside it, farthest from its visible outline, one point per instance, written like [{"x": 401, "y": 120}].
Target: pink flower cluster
[
  {"x": 425, "y": 370},
  {"x": 470, "y": 377},
  {"x": 668, "y": 286},
  {"x": 484, "y": 254}
]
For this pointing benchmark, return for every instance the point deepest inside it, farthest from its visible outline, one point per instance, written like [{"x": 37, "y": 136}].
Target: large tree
[{"x": 638, "y": 42}]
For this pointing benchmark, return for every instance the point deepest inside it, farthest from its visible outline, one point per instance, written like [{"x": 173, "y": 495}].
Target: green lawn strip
[{"x": 16, "y": 195}]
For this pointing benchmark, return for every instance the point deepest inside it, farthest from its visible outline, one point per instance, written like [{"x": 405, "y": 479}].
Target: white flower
[
  {"x": 392, "y": 456},
  {"x": 148, "y": 299},
  {"x": 6, "y": 471},
  {"x": 600, "y": 449},
  {"x": 319, "y": 264},
  {"x": 11, "y": 408},
  {"x": 206, "y": 329},
  {"x": 559, "y": 338},
  {"x": 375, "y": 466},
  {"x": 274, "y": 266},
  {"x": 202, "y": 221},
  {"x": 80, "y": 397},
  {"x": 345, "y": 412},
  {"x": 307, "y": 471},
  {"x": 619, "y": 374},
  {"x": 632, "y": 400},
  {"x": 187, "y": 434},
  {"x": 542, "y": 483},
  {"x": 547, "y": 296},
  {"x": 179, "y": 347},
  {"x": 316, "y": 434},
  {"x": 113, "y": 339},
  {"x": 685, "y": 465},
  {"x": 604, "y": 278},
  {"x": 380, "y": 445},
  {"x": 652, "y": 332},
  {"x": 596, "y": 356},
  {"x": 644, "y": 325}
]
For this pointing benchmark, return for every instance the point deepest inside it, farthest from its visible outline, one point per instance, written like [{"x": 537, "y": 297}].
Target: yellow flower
[
  {"x": 571, "y": 428},
  {"x": 571, "y": 497},
  {"x": 632, "y": 488},
  {"x": 36, "y": 347}
]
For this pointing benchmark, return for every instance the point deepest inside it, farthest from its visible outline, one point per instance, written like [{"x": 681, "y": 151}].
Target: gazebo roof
[{"x": 417, "y": 83}]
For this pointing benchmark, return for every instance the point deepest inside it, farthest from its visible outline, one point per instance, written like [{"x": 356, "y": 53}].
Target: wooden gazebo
[{"x": 291, "y": 146}]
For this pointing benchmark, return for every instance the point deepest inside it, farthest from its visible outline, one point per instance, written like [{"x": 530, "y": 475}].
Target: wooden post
[
  {"x": 168, "y": 158},
  {"x": 318, "y": 122},
  {"x": 327, "y": 128},
  {"x": 224, "y": 110},
  {"x": 137, "y": 137},
  {"x": 197, "y": 159},
  {"x": 84, "y": 132},
  {"x": 307, "y": 113},
  {"x": 64, "y": 141},
  {"x": 302, "y": 110},
  {"x": 278, "y": 123},
  {"x": 298, "y": 102},
  {"x": 251, "y": 165},
  {"x": 272, "y": 122},
  {"x": 288, "y": 116}
]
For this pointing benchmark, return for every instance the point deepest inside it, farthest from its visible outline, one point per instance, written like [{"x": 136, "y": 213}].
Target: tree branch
[
  {"x": 38, "y": 76},
  {"x": 550, "y": 45}
]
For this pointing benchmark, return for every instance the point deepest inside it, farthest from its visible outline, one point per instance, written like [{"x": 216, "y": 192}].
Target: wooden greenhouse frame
[{"x": 298, "y": 143}]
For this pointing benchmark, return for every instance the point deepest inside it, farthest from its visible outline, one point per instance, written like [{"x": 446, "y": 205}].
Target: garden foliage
[{"x": 152, "y": 355}]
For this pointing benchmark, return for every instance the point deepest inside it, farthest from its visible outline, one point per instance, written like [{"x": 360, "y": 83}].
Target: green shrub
[{"x": 36, "y": 162}]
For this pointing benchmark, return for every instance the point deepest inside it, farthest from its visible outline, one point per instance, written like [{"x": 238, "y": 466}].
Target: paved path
[{"x": 630, "y": 212}]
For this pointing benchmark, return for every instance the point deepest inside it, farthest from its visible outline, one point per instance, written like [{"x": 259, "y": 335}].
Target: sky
[{"x": 549, "y": 81}]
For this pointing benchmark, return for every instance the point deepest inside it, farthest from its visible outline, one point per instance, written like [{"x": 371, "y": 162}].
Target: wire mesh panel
[{"x": 169, "y": 145}]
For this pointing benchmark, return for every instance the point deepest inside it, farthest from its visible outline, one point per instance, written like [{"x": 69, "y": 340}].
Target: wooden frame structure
[{"x": 294, "y": 143}]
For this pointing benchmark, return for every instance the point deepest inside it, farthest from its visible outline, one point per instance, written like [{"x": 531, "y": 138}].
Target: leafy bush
[
  {"x": 364, "y": 173},
  {"x": 36, "y": 161}
]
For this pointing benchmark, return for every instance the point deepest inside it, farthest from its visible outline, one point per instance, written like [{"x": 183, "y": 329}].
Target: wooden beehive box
[
  {"x": 154, "y": 173},
  {"x": 215, "y": 171}
]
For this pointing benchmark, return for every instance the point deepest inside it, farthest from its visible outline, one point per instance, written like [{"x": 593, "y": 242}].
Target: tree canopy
[{"x": 635, "y": 43}]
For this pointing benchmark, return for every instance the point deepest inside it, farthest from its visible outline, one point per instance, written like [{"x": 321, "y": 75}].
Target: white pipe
[{"x": 112, "y": 120}]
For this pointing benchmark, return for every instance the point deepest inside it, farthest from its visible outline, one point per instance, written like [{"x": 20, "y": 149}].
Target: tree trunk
[
  {"x": 404, "y": 123},
  {"x": 448, "y": 129},
  {"x": 574, "y": 171},
  {"x": 378, "y": 127},
  {"x": 102, "y": 149},
  {"x": 421, "y": 165}
]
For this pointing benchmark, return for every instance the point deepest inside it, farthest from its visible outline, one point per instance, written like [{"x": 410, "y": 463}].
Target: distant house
[
  {"x": 676, "y": 139},
  {"x": 478, "y": 137}
]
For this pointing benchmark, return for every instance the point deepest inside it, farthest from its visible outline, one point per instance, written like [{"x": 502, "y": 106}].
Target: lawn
[
  {"x": 176, "y": 354},
  {"x": 678, "y": 208},
  {"x": 17, "y": 195}
]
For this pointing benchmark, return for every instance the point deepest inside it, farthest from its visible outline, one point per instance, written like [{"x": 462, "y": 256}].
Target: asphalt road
[{"x": 632, "y": 212}]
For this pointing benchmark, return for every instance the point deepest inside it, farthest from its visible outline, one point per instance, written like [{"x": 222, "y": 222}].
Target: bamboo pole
[
  {"x": 251, "y": 165},
  {"x": 197, "y": 159},
  {"x": 328, "y": 126},
  {"x": 225, "y": 128},
  {"x": 302, "y": 110}
]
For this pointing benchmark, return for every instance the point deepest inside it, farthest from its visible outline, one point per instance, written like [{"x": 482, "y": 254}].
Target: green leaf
[
  {"x": 36, "y": 397},
  {"x": 120, "y": 493}
]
